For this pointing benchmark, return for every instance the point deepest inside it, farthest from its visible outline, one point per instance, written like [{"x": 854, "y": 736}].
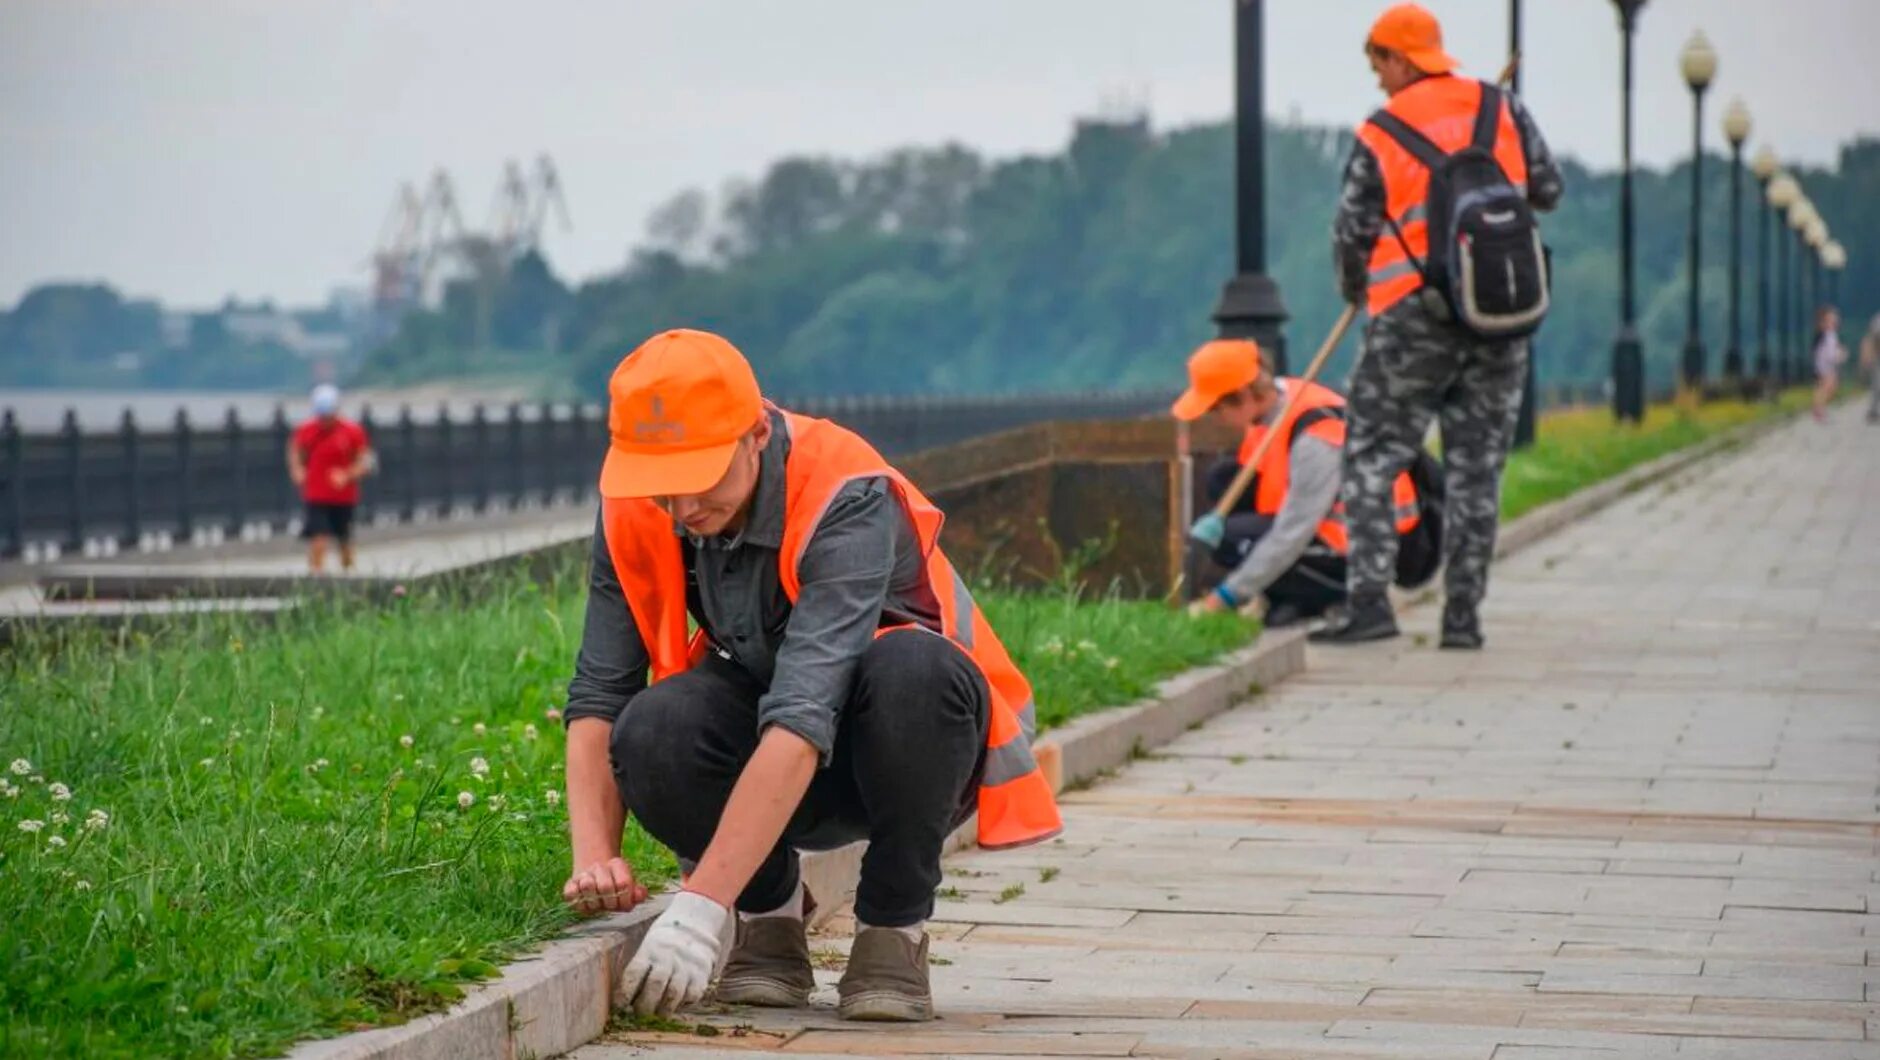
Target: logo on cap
[{"x": 658, "y": 430}]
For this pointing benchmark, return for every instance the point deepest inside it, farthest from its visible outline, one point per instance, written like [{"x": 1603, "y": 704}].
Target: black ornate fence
[{"x": 146, "y": 484}]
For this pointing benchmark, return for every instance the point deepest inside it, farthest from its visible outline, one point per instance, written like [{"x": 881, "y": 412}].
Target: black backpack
[
  {"x": 1419, "y": 552},
  {"x": 1486, "y": 259}
]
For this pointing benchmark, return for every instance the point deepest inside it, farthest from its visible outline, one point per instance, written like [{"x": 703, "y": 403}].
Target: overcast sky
[{"x": 190, "y": 149}]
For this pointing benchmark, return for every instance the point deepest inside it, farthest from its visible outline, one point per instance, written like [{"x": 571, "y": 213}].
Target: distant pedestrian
[
  {"x": 1435, "y": 233},
  {"x": 1830, "y": 355},
  {"x": 1870, "y": 367},
  {"x": 327, "y": 457}
]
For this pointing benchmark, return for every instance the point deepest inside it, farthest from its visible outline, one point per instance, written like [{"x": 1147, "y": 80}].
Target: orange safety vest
[
  {"x": 1015, "y": 801},
  {"x": 1275, "y": 467},
  {"x": 1443, "y": 109}
]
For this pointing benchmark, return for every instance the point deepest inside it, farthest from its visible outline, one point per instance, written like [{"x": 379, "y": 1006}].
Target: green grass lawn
[
  {"x": 274, "y": 832},
  {"x": 1576, "y": 448}
]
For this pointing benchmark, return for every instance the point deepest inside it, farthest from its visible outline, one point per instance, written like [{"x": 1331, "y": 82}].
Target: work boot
[
  {"x": 769, "y": 964},
  {"x": 1462, "y": 629},
  {"x": 886, "y": 981},
  {"x": 1365, "y": 619}
]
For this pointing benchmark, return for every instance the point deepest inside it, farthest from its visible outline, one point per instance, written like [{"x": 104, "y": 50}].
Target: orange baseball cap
[
  {"x": 1411, "y": 31},
  {"x": 1215, "y": 370},
  {"x": 677, "y": 407}
]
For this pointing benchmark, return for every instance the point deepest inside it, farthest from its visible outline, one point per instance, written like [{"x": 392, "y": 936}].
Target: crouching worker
[
  {"x": 1284, "y": 541},
  {"x": 840, "y": 685}
]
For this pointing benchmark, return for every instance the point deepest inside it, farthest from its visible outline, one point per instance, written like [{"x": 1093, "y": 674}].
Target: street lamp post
[
  {"x": 1764, "y": 166},
  {"x": 1735, "y": 130},
  {"x": 1628, "y": 356},
  {"x": 1250, "y": 304},
  {"x": 1698, "y": 62},
  {"x": 1817, "y": 237},
  {"x": 1799, "y": 217},
  {"x": 1524, "y": 420},
  {"x": 1783, "y": 194}
]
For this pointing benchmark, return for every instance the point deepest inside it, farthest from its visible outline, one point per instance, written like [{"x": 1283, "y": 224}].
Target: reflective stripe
[
  {"x": 1419, "y": 212},
  {"x": 1407, "y": 511},
  {"x": 1028, "y": 719},
  {"x": 1393, "y": 271},
  {"x": 963, "y": 612},
  {"x": 1007, "y": 762}
]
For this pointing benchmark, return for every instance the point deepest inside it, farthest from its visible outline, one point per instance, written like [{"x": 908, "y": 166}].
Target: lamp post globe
[{"x": 1698, "y": 61}]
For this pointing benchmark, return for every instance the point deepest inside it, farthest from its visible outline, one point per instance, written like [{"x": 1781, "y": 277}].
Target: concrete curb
[{"x": 560, "y": 998}]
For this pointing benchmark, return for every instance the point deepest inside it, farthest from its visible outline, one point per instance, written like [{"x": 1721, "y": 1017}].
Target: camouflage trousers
[{"x": 1413, "y": 367}]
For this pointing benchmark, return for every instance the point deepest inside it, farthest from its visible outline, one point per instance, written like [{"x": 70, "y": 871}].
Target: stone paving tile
[{"x": 1644, "y": 823}]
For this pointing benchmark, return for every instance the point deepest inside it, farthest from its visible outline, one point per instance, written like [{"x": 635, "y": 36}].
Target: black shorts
[{"x": 328, "y": 520}]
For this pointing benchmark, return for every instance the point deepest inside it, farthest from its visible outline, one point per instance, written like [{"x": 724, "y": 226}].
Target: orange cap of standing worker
[
  {"x": 677, "y": 407},
  {"x": 1411, "y": 31},
  {"x": 1216, "y": 370}
]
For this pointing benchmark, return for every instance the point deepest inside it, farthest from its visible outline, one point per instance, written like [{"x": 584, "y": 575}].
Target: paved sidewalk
[{"x": 1642, "y": 824}]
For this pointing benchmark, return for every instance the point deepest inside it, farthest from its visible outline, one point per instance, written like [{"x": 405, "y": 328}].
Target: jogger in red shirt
[{"x": 327, "y": 457}]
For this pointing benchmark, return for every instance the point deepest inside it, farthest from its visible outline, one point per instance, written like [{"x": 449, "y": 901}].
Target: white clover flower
[
  {"x": 529, "y": 733},
  {"x": 552, "y": 714},
  {"x": 480, "y": 766},
  {"x": 317, "y": 764},
  {"x": 552, "y": 796},
  {"x": 21, "y": 767},
  {"x": 479, "y": 728},
  {"x": 59, "y": 792},
  {"x": 1112, "y": 663},
  {"x": 495, "y": 802},
  {"x": 35, "y": 779},
  {"x": 7, "y": 788},
  {"x": 1086, "y": 645},
  {"x": 82, "y": 885},
  {"x": 465, "y": 800},
  {"x": 207, "y": 721},
  {"x": 31, "y": 825},
  {"x": 60, "y": 817},
  {"x": 97, "y": 820},
  {"x": 406, "y": 741},
  {"x": 318, "y": 712},
  {"x": 1054, "y": 646},
  {"x": 456, "y": 721},
  {"x": 55, "y": 841}
]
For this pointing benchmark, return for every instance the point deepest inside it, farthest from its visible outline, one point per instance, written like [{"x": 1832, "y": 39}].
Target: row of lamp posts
[{"x": 1818, "y": 258}]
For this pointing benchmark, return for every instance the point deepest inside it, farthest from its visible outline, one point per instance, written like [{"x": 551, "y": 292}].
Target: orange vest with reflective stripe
[
  {"x": 1015, "y": 801},
  {"x": 1443, "y": 109},
  {"x": 1275, "y": 467}
]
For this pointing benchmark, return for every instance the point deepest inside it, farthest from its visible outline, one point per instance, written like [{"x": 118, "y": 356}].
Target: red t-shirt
[{"x": 325, "y": 447}]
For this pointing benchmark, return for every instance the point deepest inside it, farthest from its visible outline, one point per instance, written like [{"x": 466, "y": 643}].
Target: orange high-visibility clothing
[
  {"x": 1443, "y": 109},
  {"x": 1016, "y": 805},
  {"x": 1274, "y": 475}
]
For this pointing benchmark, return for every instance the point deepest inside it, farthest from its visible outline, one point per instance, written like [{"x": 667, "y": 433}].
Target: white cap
[{"x": 325, "y": 399}]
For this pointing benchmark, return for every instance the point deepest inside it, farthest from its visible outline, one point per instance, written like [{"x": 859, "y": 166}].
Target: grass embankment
[
  {"x": 1577, "y": 448},
  {"x": 273, "y": 832}
]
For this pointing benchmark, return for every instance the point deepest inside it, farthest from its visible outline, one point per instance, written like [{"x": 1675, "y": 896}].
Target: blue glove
[{"x": 1210, "y": 530}]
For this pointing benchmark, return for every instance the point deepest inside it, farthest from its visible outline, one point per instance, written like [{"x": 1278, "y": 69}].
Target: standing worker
[
  {"x": 841, "y": 685},
  {"x": 1435, "y": 233},
  {"x": 326, "y": 458},
  {"x": 1286, "y": 541}
]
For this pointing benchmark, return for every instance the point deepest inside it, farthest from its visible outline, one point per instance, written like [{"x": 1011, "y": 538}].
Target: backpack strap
[
  {"x": 1487, "y": 118},
  {"x": 1421, "y": 147},
  {"x": 1311, "y": 416}
]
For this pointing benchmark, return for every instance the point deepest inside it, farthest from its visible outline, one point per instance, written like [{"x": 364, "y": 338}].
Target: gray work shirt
[
  {"x": 861, "y": 570},
  {"x": 1314, "y": 471}
]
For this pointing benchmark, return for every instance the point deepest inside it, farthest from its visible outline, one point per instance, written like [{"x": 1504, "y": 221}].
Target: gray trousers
[{"x": 1414, "y": 367}]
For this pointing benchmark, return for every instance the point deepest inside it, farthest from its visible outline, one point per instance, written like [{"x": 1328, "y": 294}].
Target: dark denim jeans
[{"x": 909, "y": 751}]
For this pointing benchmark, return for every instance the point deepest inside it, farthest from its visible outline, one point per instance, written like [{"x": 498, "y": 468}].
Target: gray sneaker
[
  {"x": 769, "y": 965},
  {"x": 886, "y": 980}
]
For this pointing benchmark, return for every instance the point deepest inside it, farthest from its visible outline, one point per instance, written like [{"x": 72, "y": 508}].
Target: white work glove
[{"x": 674, "y": 963}]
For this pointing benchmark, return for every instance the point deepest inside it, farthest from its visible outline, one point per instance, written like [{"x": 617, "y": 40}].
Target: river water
[{"x": 42, "y": 411}]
